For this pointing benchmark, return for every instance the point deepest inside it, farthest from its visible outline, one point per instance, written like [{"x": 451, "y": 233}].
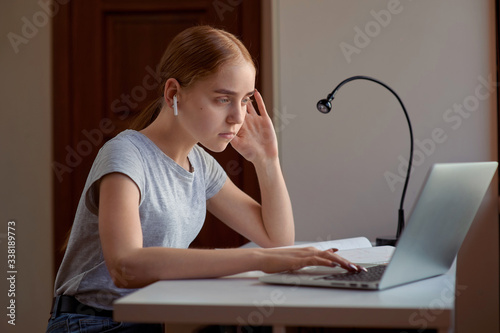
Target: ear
[{"x": 172, "y": 87}]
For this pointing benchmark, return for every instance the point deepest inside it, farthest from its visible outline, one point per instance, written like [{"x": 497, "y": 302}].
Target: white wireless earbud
[{"x": 175, "y": 106}]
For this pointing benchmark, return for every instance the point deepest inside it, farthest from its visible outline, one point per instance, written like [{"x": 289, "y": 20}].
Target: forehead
[
  {"x": 238, "y": 68},
  {"x": 238, "y": 77}
]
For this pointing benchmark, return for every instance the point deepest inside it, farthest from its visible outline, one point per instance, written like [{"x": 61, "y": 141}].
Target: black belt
[{"x": 69, "y": 304}]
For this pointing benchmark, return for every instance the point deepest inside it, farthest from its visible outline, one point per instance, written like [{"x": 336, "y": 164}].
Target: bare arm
[
  {"x": 248, "y": 217},
  {"x": 132, "y": 266},
  {"x": 269, "y": 224}
]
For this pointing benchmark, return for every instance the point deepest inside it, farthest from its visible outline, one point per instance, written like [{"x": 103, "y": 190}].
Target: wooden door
[{"x": 105, "y": 54}]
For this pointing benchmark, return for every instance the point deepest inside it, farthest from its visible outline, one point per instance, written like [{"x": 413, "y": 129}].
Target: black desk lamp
[{"x": 325, "y": 106}]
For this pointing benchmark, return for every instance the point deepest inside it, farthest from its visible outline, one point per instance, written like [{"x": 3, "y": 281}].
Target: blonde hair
[{"x": 193, "y": 54}]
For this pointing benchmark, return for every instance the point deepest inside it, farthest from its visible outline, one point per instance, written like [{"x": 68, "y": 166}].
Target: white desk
[{"x": 424, "y": 304}]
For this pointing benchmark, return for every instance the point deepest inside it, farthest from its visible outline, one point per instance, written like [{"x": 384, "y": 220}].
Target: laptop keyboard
[{"x": 374, "y": 274}]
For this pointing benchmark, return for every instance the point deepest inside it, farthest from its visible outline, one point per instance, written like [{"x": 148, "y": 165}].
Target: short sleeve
[{"x": 117, "y": 155}]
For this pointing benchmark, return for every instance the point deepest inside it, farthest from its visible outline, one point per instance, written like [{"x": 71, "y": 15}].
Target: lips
[{"x": 227, "y": 135}]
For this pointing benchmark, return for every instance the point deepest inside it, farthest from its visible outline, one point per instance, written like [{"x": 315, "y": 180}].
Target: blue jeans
[{"x": 77, "y": 323}]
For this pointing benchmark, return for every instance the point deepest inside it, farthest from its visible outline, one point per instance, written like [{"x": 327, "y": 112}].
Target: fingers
[
  {"x": 346, "y": 264},
  {"x": 336, "y": 260},
  {"x": 314, "y": 257},
  {"x": 286, "y": 259},
  {"x": 251, "y": 109},
  {"x": 260, "y": 104}
]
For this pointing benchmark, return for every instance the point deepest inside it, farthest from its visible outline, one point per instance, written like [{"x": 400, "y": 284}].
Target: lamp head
[{"x": 324, "y": 106}]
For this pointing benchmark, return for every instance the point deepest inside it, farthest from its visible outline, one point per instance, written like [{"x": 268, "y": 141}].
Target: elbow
[
  {"x": 125, "y": 274},
  {"x": 285, "y": 239},
  {"x": 120, "y": 282}
]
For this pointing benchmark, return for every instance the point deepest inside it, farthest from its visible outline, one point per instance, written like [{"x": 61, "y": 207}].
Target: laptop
[{"x": 445, "y": 209}]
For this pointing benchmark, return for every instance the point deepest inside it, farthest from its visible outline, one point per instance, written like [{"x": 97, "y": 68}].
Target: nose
[{"x": 237, "y": 114}]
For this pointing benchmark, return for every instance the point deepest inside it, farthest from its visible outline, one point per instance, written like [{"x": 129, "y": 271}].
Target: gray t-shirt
[{"x": 172, "y": 210}]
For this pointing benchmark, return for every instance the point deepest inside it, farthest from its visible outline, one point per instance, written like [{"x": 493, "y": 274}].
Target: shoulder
[
  {"x": 128, "y": 145},
  {"x": 124, "y": 153},
  {"x": 125, "y": 140}
]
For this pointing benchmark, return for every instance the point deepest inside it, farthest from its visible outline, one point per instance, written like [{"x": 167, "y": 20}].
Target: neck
[{"x": 166, "y": 133}]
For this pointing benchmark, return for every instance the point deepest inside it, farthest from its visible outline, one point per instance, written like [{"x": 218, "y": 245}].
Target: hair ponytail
[
  {"x": 148, "y": 115},
  {"x": 193, "y": 54}
]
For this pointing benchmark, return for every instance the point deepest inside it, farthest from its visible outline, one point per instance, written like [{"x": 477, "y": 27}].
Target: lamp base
[{"x": 389, "y": 240}]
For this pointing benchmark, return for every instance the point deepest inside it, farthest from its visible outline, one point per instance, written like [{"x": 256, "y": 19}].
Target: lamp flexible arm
[{"x": 331, "y": 96}]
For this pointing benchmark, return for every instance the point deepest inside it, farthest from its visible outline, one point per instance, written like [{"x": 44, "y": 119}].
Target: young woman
[{"x": 147, "y": 193}]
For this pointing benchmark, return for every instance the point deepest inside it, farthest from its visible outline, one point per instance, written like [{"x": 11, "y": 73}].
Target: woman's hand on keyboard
[{"x": 288, "y": 259}]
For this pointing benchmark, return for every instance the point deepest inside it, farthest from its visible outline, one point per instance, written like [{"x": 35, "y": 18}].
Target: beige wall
[
  {"x": 437, "y": 55},
  {"x": 25, "y": 147}
]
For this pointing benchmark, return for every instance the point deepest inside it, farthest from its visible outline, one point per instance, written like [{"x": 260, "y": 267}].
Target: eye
[{"x": 223, "y": 100}]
